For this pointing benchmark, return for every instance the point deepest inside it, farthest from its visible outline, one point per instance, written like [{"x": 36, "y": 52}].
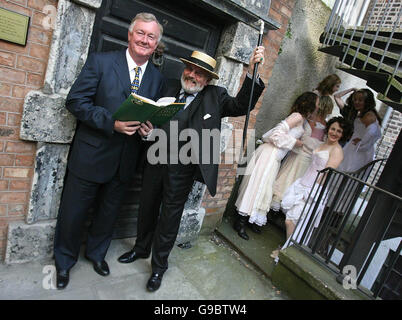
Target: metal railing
[
  {"x": 382, "y": 15},
  {"x": 332, "y": 217}
]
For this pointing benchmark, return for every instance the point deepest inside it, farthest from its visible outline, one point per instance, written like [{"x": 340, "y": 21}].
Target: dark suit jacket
[
  {"x": 216, "y": 102},
  {"x": 103, "y": 84}
]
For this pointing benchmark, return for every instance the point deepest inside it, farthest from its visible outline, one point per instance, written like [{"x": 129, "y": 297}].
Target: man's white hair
[{"x": 146, "y": 17}]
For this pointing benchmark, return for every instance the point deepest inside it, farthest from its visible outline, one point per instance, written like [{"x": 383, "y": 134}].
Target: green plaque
[{"x": 13, "y": 26}]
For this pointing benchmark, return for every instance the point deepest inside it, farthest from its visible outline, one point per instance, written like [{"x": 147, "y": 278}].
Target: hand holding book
[
  {"x": 138, "y": 108},
  {"x": 127, "y": 127}
]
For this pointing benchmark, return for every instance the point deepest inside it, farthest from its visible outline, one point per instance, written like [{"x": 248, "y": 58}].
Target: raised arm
[
  {"x": 238, "y": 106},
  {"x": 339, "y": 95}
]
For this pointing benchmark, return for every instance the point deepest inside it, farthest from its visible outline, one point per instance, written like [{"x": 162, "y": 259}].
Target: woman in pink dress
[{"x": 255, "y": 191}]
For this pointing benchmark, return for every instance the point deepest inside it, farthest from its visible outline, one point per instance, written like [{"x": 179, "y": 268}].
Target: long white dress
[
  {"x": 297, "y": 194},
  {"x": 297, "y": 162},
  {"x": 360, "y": 154},
  {"x": 255, "y": 191}
]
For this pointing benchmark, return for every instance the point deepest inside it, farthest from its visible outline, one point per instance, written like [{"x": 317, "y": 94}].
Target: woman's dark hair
[
  {"x": 326, "y": 86},
  {"x": 369, "y": 104},
  {"x": 346, "y": 125},
  {"x": 305, "y": 104}
]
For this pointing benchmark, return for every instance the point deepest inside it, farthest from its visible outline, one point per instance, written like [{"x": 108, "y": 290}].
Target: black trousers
[
  {"x": 164, "y": 193},
  {"x": 78, "y": 197}
]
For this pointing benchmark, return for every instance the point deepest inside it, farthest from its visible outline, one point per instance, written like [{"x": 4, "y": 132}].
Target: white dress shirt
[
  {"x": 189, "y": 98},
  {"x": 132, "y": 65}
]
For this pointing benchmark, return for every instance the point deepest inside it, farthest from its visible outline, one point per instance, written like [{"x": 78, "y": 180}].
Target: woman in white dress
[
  {"x": 360, "y": 109},
  {"x": 255, "y": 191},
  {"x": 329, "y": 154},
  {"x": 298, "y": 160}
]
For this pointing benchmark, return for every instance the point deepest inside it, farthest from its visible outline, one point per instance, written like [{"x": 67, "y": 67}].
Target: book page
[
  {"x": 147, "y": 100},
  {"x": 165, "y": 101}
]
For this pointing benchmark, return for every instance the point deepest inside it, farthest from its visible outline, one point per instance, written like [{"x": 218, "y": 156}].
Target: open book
[{"x": 142, "y": 109}]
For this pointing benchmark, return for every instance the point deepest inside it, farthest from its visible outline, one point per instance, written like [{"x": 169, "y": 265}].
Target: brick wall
[
  {"x": 382, "y": 13},
  {"x": 390, "y": 134},
  {"x": 22, "y": 69},
  {"x": 280, "y": 11}
]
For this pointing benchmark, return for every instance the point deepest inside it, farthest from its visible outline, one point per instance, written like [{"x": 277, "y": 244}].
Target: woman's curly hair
[{"x": 346, "y": 125}]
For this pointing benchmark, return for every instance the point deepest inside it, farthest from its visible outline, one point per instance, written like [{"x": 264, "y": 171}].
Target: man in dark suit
[
  {"x": 170, "y": 183},
  {"x": 104, "y": 152}
]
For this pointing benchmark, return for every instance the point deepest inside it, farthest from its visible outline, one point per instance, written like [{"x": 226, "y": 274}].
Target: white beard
[{"x": 188, "y": 89}]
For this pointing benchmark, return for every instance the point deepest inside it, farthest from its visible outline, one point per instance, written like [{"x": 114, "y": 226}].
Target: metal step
[
  {"x": 372, "y": 64},
  {"x": 388, "y": 102},
  {"x": 381, "y": 39},
  {"x": 366, "y": 74},
  {"x": 393, "y": 53},
  {"x": 383, "y": 31},
  {"x": 378, "y": 82},
  {"x": 381, "y": 77},
  {"x": 336, "y": 51}
]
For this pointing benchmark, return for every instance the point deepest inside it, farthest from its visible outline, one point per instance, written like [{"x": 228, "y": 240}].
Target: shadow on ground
[{"x": 258, "y": 248}]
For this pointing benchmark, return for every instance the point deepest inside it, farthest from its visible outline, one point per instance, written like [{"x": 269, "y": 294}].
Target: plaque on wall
[{"x": 13, "y": 26}]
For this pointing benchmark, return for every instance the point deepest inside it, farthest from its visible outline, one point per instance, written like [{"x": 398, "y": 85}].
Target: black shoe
[
  {"x": 131, "y": 256},
  {"x": 255, "y": 228},
  {"x": 240, "y": 227},
  {"x": 101, "y": 268},
  {"x": 154, "y": 282},
  {"x": 62, "y": 279}
]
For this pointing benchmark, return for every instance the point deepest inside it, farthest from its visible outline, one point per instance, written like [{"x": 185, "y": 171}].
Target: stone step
[{"x": 305, "y": 278}]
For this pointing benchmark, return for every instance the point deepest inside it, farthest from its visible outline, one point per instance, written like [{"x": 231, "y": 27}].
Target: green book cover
[{"x": 138, "y": 108}]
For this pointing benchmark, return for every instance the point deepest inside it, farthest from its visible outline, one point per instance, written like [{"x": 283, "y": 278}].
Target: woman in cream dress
[
  {"x": 298, "y": 160},
  {"x": 255, "y": 191}
]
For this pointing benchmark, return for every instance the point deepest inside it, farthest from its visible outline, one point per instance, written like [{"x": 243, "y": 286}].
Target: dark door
[{"x": 186, "y": 28}]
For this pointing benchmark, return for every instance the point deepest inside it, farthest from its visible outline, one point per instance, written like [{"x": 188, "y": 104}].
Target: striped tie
[
  {"x": 183, "y": 100},
  {"x": 136, "y": 82}
]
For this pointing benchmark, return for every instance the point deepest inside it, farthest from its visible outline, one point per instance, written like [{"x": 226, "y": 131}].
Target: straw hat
[{"x": 204, "y": 61}]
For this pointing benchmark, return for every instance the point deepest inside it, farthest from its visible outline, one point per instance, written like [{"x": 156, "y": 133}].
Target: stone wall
[
  {"x": 46, "y": 122},
  {"x": 22, "y": 69}
]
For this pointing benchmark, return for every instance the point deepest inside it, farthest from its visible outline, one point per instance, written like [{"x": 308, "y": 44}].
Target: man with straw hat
[{"x": 166, "y": 184}]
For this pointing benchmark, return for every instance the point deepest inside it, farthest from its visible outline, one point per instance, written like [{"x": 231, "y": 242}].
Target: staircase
[
  {"x": 372, "y": 53},
  {"x": 366, "y": 36}
]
